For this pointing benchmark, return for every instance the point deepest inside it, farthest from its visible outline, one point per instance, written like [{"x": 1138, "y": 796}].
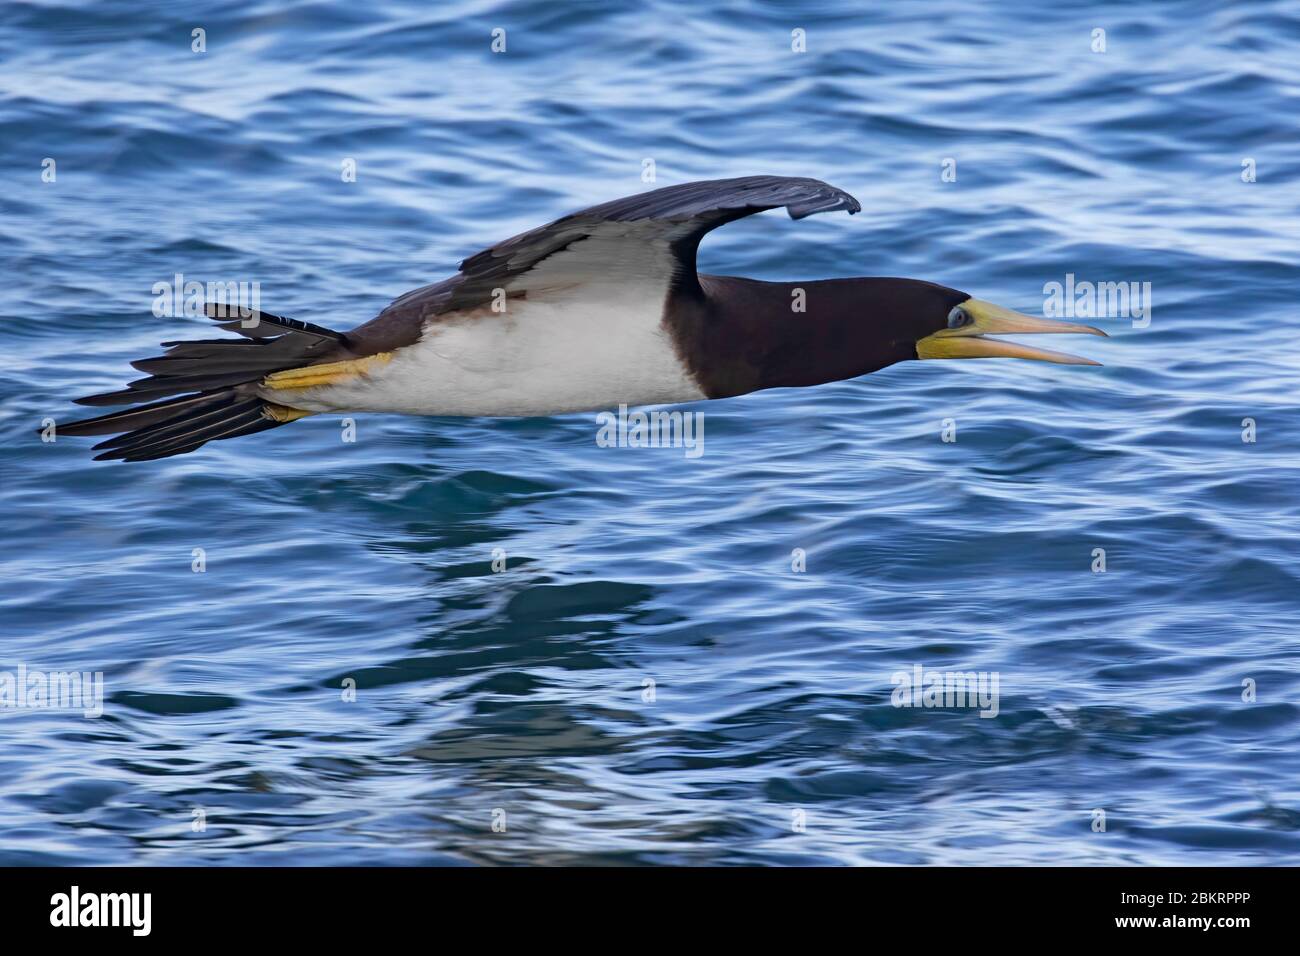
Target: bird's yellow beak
[{"x": 967, "y": 341}]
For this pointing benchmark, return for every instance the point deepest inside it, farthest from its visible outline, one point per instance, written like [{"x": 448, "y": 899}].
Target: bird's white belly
[{"x": 598, "y": 350}]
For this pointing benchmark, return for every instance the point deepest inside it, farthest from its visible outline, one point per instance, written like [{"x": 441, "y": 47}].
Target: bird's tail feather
[{"x": 208, "y": 389}]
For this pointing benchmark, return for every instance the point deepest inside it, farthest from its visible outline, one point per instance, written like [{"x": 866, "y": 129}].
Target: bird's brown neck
[{"x": 740, "y": 335}]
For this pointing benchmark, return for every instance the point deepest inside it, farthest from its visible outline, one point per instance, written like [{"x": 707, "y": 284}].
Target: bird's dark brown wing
[{"x": 655, "y": 233}]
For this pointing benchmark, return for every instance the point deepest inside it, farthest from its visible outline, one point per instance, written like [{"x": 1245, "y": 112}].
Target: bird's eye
[{"x": 959, "y": 317}]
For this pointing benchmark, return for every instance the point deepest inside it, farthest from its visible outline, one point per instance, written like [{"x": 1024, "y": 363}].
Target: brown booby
[{"x": 598, "y": 309}]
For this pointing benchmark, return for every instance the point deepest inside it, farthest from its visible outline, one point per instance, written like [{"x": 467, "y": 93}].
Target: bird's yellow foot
[
  {"x": 283, "y": 413},
  {"x": 329, "y": 373}
]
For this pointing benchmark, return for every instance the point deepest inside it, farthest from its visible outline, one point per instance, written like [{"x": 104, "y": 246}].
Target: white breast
[{"x": 599, "y": 347}]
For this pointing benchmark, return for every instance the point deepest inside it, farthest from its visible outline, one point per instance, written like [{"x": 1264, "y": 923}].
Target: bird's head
[
  {"x": 778, "y": 335},
  {"x": 937, "y": 322}
]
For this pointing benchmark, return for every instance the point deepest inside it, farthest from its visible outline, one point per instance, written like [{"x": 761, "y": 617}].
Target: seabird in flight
[{"x": 598, "y": 309}]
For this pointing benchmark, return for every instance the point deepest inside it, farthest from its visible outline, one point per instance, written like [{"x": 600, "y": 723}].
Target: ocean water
[{"x": 645, "y": 677}]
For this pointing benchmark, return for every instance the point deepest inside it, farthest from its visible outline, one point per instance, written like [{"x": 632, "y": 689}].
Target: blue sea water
[{"x": 649, "y": 680}]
